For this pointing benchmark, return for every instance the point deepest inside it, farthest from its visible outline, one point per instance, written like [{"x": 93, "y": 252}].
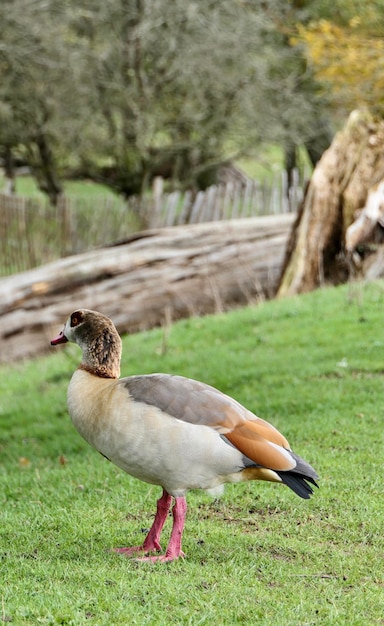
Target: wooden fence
[
  {"x": 33, "y": 232},
  {"x": 232, "y": 200}
]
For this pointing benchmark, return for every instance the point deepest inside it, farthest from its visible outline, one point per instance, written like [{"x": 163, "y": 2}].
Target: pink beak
[{"x": 60, "y": 339}]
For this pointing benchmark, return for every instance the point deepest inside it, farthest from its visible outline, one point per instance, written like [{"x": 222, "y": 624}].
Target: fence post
[
  {"x": 157, "y": 190},
  {"x": 64, "y": 215}
]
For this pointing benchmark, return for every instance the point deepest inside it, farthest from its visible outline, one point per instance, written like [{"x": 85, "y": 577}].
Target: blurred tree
[
  {"x": 37, "y": 111},
  {"x": 345, "y": 48},
  {"x": 311, "y": 119},
  {"x": 124, "y": 90},
  {"x": 179, "y": 89}
]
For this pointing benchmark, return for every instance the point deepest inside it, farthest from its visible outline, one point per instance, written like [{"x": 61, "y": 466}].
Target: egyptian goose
[{"x": 170, "y": 431}]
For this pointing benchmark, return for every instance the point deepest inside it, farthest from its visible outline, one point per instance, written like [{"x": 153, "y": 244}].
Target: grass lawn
[
  {"x": 264, "y": 165},
  {"x": 313, "y": 366},
  {"x": 267, "y": 163},
  {"x": 26, "y": 186}
]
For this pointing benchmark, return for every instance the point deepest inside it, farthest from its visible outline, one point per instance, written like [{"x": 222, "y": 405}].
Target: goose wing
[{"x": 198, "y": 403}]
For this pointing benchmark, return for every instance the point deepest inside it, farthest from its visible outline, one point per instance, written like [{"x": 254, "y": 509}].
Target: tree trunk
[
  {"x": 157, "y": 276},
  {"x": 9, "y": 171},
  {"x": 47, "y": 176},
  {"x": 338, "y": 189}
]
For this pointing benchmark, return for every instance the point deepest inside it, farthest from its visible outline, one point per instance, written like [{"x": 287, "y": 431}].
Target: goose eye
[{"x": 76, "y": 318}]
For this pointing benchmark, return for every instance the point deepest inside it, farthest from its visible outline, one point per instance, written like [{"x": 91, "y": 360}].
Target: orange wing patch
[
  {"x": 254, "y": 440},
  {"x": 236, "y": 416},
  {"x": 269, "y": 432}
]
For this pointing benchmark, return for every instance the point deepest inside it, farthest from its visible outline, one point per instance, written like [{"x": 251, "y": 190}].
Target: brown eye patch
[{"x": 76, "y": 318}]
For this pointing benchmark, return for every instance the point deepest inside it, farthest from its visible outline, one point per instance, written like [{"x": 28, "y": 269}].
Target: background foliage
[
  {"x": 126, "y": 90},
  {"x": 122, "y": 91},
  {"x": 346, "y": 52}
]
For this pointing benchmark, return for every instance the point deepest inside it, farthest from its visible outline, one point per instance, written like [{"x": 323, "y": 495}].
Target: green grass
[
  {"x": 264, "y": 165},
  {"x": 312, "y": 365},
  {"x": 26, "y": 186},
  {"x": 267, "y": 164}
]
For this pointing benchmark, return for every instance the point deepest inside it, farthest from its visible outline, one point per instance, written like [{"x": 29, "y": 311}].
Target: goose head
[{"x": 98, "y": 339}]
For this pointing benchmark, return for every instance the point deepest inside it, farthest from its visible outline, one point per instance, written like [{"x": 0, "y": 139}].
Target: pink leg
[
  {"x": 174, "y": 550},
  {"x": 151, "y": 542}
]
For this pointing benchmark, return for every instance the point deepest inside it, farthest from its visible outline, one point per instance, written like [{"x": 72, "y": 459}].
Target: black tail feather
[
  {"x": 298, "y": 483},
  {"x": 298, "y": 478}
]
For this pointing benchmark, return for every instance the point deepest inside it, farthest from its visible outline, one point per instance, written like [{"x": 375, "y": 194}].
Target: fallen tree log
[{"x": 157, "y": 276}]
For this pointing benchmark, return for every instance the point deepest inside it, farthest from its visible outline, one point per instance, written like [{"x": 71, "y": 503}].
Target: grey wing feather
[{"x": 186, "y": 399}]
